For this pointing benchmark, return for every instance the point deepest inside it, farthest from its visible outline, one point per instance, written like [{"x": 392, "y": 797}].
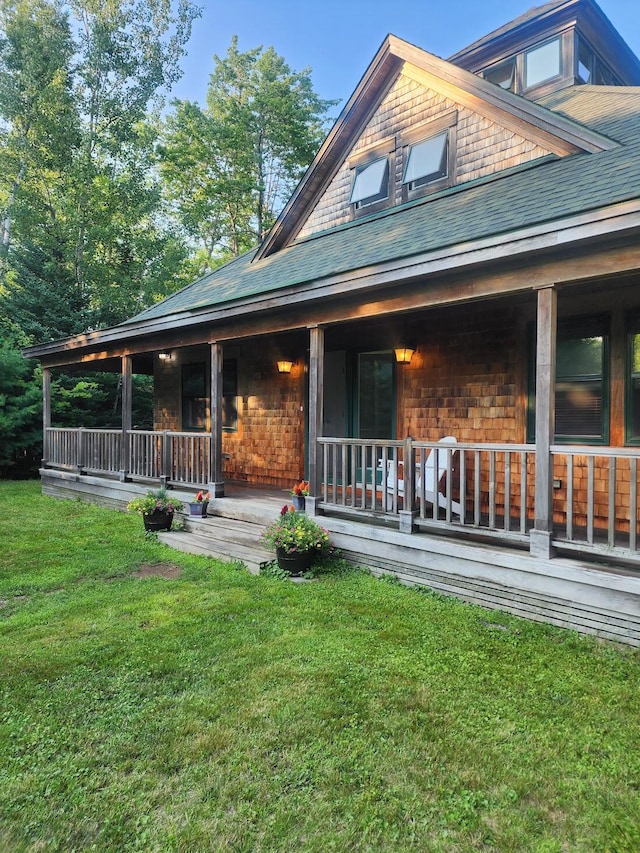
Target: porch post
[
  {"x": 316, "y": 411},
  {"x": 127, "y": 373},
  {"x": 540, "y": 536},
  {"x": 216, "y": 482},
  {"x": 46, "y": 413}
]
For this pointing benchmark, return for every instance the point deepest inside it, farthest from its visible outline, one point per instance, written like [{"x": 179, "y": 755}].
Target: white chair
[{"x": 427, "y": 471}]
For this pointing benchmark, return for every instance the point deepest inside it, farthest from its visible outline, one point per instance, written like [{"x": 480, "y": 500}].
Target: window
[
  {"x": 502, "y": 75},
  {"x": 230, "y": 395},
  {"x": 194, "y": 397},
  {"x": 376, "y": 401},
  {"x": 427, "y": 161},
  {"x": 371, "y": 183},
  {"x": 582, "y": 382},
  {"x": 580, "y": 386},
  {"x": 632, "y": 414},
  {"x": 586, "y": 63},
  {"x": 542, "y": 63}
]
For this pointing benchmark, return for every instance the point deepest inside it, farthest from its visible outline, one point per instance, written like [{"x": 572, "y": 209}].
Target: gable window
[
  {"x": 371, "y": 183},
  {"x": 503, "y": 74},
  {"x": 586, "y": 63},
  {"x": 427, "y": 161},
  {"x": 542, "y": 63}
]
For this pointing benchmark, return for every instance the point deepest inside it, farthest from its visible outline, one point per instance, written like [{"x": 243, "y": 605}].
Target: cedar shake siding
[{"x": 482, "y": 147}]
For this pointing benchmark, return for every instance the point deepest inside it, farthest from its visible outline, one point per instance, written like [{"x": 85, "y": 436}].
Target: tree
[
  {"x": 82, "y": 213},
  {"x": 230, "y": 167}
]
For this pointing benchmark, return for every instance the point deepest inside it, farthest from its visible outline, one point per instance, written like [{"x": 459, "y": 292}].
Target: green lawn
[{"x": 222, "y": 711}]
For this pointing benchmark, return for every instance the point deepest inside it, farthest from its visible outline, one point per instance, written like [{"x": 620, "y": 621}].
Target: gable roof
[
  {"x": 535, "y": 197},
  {"x": 557, "y": 133}
]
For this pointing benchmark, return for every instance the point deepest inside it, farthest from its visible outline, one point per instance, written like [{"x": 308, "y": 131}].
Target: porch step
[{"x": 222, "y": 538}]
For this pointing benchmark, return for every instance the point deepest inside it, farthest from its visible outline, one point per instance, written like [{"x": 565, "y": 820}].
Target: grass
[{"x": 223, "y": 711}]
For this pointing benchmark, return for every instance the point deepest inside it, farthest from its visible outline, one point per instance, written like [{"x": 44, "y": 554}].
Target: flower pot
[
  {"x": 198, "y": 509},
  {"x": 159, "y": 519},
  {"x": 298, "y": 502},
  {"x": 297, "y": 563}
]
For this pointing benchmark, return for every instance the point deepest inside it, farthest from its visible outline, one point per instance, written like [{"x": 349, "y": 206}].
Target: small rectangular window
[
  {"x": 427, "y": 161},
  {"x": 371, "y": 183},
  {"x": 542, "y": 63},
  {"x": 586, "y": 62},
  {"x": 502, "y": 75}
]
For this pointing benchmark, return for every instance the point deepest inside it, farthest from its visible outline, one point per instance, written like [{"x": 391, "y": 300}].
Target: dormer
[{"x": 562, "y": 43}]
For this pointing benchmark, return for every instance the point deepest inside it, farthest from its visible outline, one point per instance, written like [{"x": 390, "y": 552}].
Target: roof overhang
[{"x": 578, "y": 235}]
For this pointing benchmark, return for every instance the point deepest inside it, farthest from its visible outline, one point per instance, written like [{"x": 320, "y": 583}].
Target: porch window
[
  {"x": 194, "y": 397},
  {"x": 371, "y": 183},
  {"x": 376, "y": 398},
  {"x": 582, "y": 383},
  {"x": 230, "y": 395},
  {"x": 427, "y": 161},
  {"x": 632, "y": 420},
  {"x": 580, "y": 387},
  {"x": 542, "y": 63}
]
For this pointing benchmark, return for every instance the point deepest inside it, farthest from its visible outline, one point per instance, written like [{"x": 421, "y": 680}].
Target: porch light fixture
[
  {"x": 403, "y": 354},
  {"x": 284, "y": 366},
  {"x": 164, "y": 356}
]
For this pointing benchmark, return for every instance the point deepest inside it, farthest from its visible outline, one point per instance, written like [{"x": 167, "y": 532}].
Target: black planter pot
[
  {"x": 296, "y": 564},
  {"x": 159, "y": 519},
  {"x": 298, "y": 502}
]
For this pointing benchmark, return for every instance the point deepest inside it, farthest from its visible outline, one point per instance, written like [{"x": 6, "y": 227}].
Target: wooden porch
[{"x": 478, "y": 562}]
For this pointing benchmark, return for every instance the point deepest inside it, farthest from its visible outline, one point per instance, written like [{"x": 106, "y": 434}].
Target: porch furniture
[{"x": 394, "y": 481}]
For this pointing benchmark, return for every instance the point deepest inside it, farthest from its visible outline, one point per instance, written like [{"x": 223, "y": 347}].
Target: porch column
[
  {"x": 46, "y": 413},
  {"x": 316, "y": 410},
  {"x": 127, "y": 373},
  {"x": 216, "y": 483},
  {"x": 540, "y": 536}
]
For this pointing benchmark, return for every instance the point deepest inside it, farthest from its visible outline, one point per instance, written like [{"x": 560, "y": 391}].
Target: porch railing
[
  {"x": 475, "y": 486},
  {"x": 489, "y": 489},
  {"x": 179, "y": 457},
  {"x": 596, "y": 499}
]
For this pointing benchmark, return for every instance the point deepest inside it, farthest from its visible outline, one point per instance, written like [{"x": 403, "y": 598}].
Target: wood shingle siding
[{"x": 482, "y": 148}]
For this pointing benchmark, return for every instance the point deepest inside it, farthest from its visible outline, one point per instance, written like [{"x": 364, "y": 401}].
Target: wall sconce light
[
  {"x": 284, "y": 366},
  {"x": 403, "y": 354},
  {"x": 165, "y": 356}
]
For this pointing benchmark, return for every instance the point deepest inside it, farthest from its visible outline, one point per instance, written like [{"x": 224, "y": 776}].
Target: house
[{"x": 461, "y": 260}]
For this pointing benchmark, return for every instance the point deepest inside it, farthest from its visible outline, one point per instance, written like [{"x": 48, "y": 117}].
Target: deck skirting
[{"x": 569, "y": 593}]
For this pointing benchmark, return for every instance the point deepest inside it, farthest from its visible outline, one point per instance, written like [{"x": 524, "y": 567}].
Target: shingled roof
[{"x": 547, "y": 190}]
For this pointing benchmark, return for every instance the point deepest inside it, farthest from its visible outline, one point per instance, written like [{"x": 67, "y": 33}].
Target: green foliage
[
  {"x": 224, "y": 711},
  {"x": 230, "y": 167},
  {"x": 153, "y": 500},
  {"x": 295, "y": 532},
  {"x": 20, "y": 413}
]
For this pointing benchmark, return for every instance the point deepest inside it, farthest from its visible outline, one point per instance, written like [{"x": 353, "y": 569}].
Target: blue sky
[{"x": 339, "y": 38}]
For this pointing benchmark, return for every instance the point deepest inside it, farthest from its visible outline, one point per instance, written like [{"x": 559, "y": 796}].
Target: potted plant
[
  {"x": 157, "y": 509},
  {"x": 198, "y": 507},
  {"x": 297, "y": 540},
  {"x": 299, "y": 493}
]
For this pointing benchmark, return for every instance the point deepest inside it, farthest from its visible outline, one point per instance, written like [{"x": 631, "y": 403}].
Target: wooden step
[{"x": 222, "y": 538}]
